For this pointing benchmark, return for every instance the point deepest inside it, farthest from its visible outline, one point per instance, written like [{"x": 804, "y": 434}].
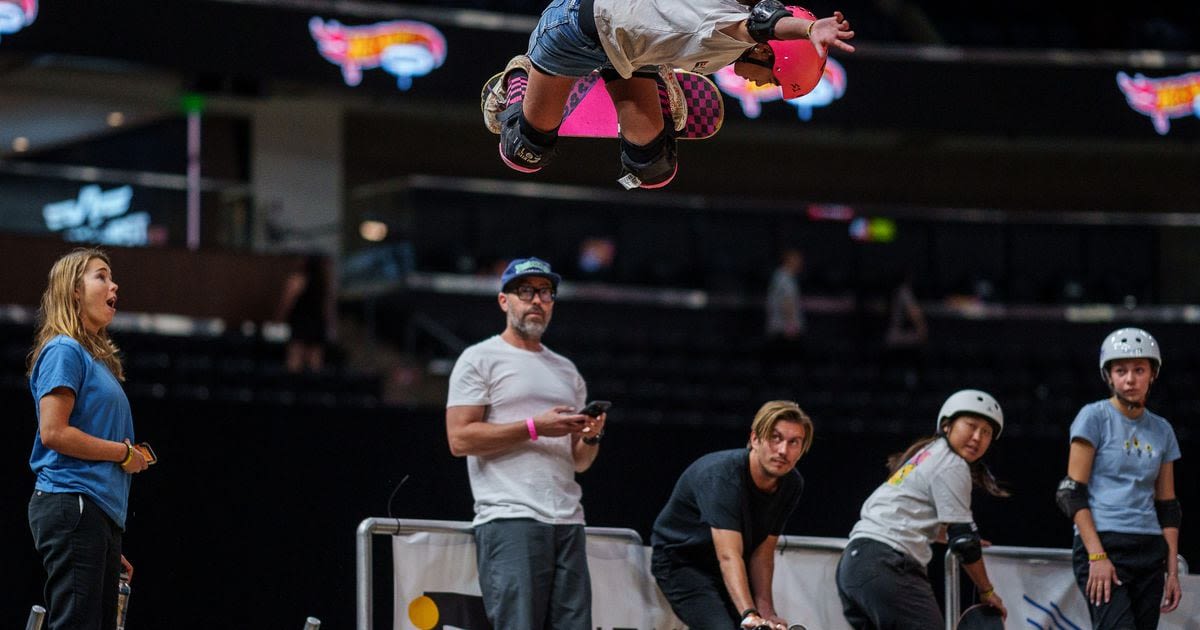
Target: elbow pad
[
  {"x": 763, "y": 18},
  {"x": 1170, "y": 514},
  {"x": 1071, "y": 497},
  {"x": 964, "y": 542}
]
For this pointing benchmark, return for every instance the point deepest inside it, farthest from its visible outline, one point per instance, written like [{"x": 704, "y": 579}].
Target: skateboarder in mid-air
[{"x": 628, "y": 41}]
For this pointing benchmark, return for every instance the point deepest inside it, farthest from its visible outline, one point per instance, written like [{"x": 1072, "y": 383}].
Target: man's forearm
[{"x": 733, "y": 571}]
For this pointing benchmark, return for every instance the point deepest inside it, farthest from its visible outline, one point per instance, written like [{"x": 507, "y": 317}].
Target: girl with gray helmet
[
  {"x": 1120, "y": 492},
  {"x": 881, "y": 578}
]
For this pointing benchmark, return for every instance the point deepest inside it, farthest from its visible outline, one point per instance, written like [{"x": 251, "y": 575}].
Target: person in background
[
  {"x": 83, "y": 453},
  {"x": 1120, "y": 492},
  {"x": 513, "y": 411},
  {"x": 308, "y": 305},
  {"x": 714, "y": 541},
  {"x": 881, "y": 578}
]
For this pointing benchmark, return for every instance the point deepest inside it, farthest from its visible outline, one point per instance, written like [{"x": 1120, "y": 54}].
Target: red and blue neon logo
[
  {"x": 403, "y": 48},
  {"x": 16, "y": 15},
  {"x": 1162, "y": 99},
  {"x": 830, "y": 88}
]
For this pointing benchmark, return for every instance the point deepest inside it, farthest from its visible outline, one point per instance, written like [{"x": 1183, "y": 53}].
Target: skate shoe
[{"x": 496, "y": 97}]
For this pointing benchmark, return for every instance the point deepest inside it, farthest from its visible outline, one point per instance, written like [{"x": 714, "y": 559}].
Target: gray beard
[{"x": 526, "y": 329}]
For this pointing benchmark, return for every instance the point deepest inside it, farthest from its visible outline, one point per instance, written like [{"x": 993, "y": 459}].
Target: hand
[
  {"x": 137, "y": 463},
  {"x": 1101, "y": 577},
  {"x": 559, "y": 421},
  {"x": 593, "y": 426},
  {"x": 755, "y": 622},
  {"x": 775, "y": 622},
  {"x": 126, "y": 568},
  {"x": 994, "y": 601},
  {"x": 1172, "y": 593},
  {"x": 831, "y": 31}
]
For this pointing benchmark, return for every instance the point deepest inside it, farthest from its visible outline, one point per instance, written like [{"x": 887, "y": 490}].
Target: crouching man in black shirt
[{"x": 714, "y": 541}]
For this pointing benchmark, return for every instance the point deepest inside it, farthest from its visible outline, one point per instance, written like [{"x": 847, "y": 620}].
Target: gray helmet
[
  {"x": 1129, "y": 343},
  {"x": 973, "y": 401}
]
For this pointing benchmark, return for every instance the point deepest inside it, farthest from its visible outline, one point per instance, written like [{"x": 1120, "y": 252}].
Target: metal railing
[
  {"x": 365, "y": 605},
  {"x": 954, "y": 593}
]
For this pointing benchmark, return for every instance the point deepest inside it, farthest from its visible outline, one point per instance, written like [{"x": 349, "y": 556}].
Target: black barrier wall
[{"x": 249, "y": 519}]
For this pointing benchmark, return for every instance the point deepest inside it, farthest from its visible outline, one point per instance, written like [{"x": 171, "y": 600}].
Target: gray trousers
[
  {"x": 533, "y": 575},
  {"x": 884, "y": 589}
]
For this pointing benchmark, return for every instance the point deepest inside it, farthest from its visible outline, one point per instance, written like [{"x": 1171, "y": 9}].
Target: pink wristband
[{"x": 532, "y": 429}]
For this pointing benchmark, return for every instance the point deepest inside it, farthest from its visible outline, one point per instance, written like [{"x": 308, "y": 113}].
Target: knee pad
[
  {"x": 650, "y": 166},
  {"x": 521, "y": 147}
]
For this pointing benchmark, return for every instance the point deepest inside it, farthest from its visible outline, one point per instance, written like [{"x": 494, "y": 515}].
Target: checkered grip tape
[{"x": 706, "y": 109}]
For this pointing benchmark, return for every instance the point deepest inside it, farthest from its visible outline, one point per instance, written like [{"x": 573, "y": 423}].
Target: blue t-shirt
[
  {"x": 101, "y": 409},
  {"x": 716, "y": 491},
  {"x": 1129, "y": 454}
]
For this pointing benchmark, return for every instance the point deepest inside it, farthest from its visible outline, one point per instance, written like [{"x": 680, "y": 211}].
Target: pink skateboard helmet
[{"x": 798, "y": 67}]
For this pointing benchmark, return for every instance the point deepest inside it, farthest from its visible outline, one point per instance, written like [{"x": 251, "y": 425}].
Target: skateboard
[
  {"x": 589, "y": 112},
  {"x": 980, "y": 617}
]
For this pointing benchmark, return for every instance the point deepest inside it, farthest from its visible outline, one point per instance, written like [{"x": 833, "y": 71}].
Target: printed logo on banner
[
  {"x": 830, "y": 88},
  {"x": 99, "y": 216},
  {"x": 437, "y": 611},
  {"x": 1055, "y": 618},
  {"x": 403, "y": 48},
  {"x": 1162, "y": 99},
  {"x": 16, "y": 15}
]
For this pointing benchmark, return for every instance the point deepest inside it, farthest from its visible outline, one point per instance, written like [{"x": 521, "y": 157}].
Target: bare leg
[
  {"x": 295, "y": 357},
  {"x": 315, "y": 358},
  {"x": 638, "y": 108},
  {"x": 545, "y": 98}
]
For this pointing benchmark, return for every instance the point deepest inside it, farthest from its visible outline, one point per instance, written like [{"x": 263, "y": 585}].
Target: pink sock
[{"x": 517, "y": 82}]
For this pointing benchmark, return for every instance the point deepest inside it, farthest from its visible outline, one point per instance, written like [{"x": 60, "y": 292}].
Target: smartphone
[
  {"x": 595, "y": 408},
  {"x": 147, "y": 452}
]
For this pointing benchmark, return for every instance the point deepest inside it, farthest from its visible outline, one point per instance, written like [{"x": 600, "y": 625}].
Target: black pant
[
  {"x": 698, "y": 596},
  {"x": 81, "y": 550},
  {"x": 1140, "y": 560},
  {"x": 884, "y": 589}
]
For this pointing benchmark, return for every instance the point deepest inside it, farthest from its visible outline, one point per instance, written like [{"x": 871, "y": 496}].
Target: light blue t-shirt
[
  {"x": 101, "y": 409},
  {"x": 1129, "y": 454}
]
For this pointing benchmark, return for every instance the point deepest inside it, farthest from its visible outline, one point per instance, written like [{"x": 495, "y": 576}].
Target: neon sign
[
  {"x": 98, "y": 216},
  {"x": 16, "y": 15},
  {"x": 830, "y": 88},
  {"x": 403, "y": 48},
  {"x": 1162, "y": 99}
]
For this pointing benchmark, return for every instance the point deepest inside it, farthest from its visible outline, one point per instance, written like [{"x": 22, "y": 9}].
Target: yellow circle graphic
[{"x": 423, "y": 613}]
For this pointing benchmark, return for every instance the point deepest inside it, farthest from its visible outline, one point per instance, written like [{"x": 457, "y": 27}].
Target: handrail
[
  {"x": 953, "y": 594},
  {"x": 369, "y": 527}
]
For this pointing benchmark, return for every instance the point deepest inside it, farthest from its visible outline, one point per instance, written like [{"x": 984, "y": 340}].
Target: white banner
[
  {"x": 437, "y": 584},
  {"x": 1042, "y": 594}
]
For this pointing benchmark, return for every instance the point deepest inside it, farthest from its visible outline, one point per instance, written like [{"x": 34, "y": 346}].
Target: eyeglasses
[{"x": 526, "y": 293}]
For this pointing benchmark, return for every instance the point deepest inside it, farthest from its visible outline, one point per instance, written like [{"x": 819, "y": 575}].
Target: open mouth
[{"x": 112, "y": 303}]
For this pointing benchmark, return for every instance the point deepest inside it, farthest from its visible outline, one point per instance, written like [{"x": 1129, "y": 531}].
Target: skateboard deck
[
  {"x": 980, "y": 617},
  {"x": 589, "y": 112}
]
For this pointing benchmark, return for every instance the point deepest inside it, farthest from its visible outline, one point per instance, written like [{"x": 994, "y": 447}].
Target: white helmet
[
  {"x": 1129, "y": 343},
  {"x": 971, "y": 401}
]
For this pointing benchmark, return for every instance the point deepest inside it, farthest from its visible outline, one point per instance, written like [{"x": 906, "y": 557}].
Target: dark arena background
[{"x": 1007, "y": 159}]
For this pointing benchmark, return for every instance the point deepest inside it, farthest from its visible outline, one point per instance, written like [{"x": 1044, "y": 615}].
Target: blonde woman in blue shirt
[{"x": 83, "y": 454}]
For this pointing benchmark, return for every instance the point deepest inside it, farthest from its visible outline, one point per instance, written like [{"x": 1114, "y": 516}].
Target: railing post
[
  {"x": 953, "y": 602},
  {"x": 362, "y": 565},
  {"x": 36, "y": 615}
]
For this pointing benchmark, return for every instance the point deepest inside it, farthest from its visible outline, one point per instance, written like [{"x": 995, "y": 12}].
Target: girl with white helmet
[
  {"x": 1120, "y": 492},
  {"x": 881, "y": 578}
]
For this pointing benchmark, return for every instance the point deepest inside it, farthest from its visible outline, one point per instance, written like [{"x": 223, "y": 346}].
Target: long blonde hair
[{"x": 61, "y": 312}]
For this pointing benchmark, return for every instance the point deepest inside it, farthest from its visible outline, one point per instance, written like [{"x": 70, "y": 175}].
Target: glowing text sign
[
  {"x": 403, "y": 48},
  {"x": 1162, "y": 99},
  {"x": 751, "y": 95},
  {"x": 98, "y": 216}
]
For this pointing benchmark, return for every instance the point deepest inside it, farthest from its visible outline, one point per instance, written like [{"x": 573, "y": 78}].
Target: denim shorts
[{"x": 559, "y": 47}]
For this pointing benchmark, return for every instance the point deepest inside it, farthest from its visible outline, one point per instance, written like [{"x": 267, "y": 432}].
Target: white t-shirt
[
  {"x": 906, "y": 512},
  {"x": 686, "y": 35},
  {"x": 536, "y": 479}
]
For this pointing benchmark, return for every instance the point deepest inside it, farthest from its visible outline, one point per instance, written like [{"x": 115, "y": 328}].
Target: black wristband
[
  {"x": 593, "y": 439},
  {"x": 763, "y": 18},
  {"x": 750, "y": 611}
]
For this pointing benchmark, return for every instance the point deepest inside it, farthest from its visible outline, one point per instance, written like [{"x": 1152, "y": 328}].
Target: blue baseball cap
[{"x": 524, "y": 267}]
